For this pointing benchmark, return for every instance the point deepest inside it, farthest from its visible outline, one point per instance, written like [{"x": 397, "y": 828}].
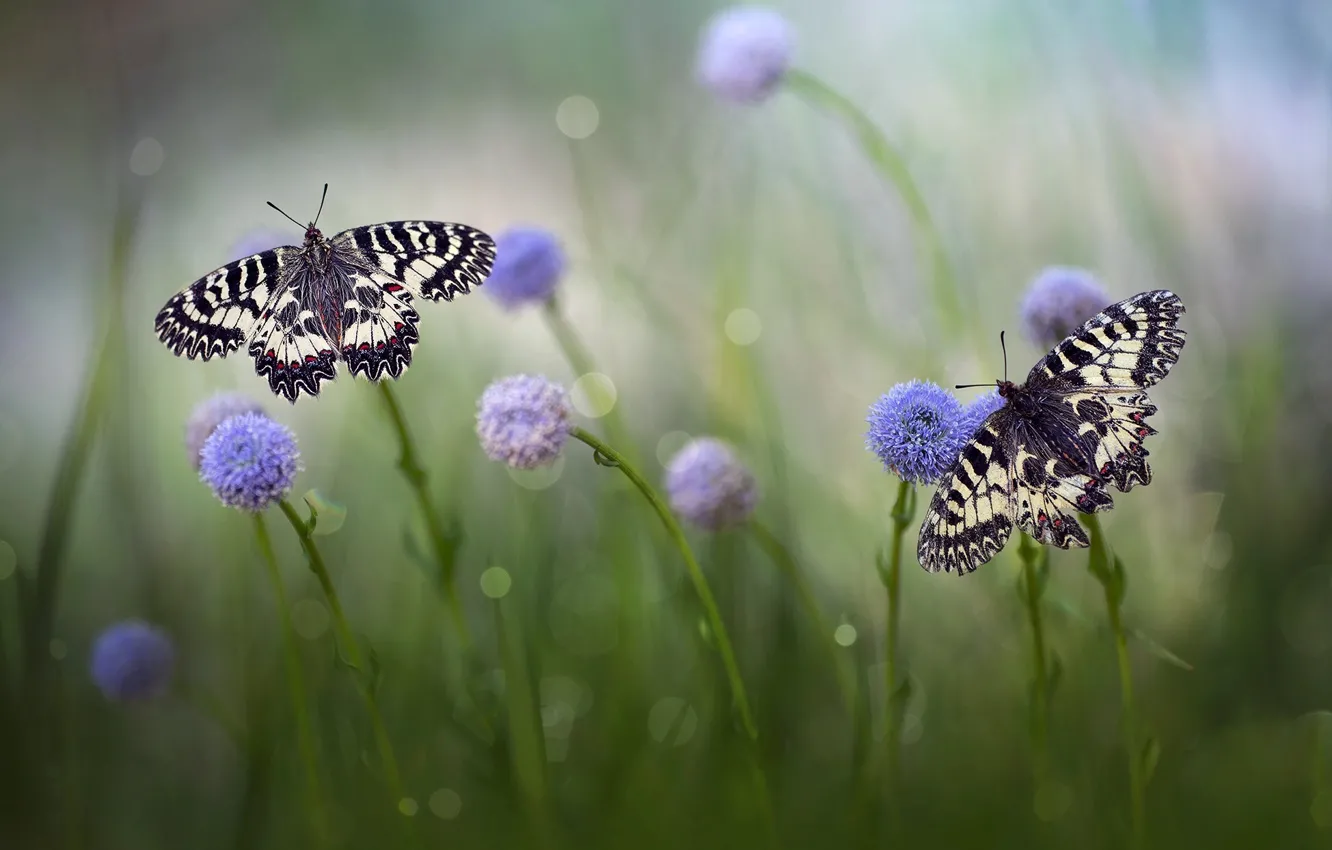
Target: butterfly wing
[
  {"x": 432, "y": 259},
  {"x": 380, "y": 330},
  {"x": 215, "y": 314},
  {"x": 290, "y": 348},
  {"x": 1048, "y": 491},
  {"x": 1101, "y": 371},
  {"x": 971, "y": 514}
]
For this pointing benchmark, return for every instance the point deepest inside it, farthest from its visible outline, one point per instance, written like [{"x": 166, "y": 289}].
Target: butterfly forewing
[
  {"x": 215, "y": 314},
  {"x": 349, "y": 298},
  {"x": 1082, "y": 429},
  {"x": 971, "y": 515},
  {"x": 433, "y": 259}
]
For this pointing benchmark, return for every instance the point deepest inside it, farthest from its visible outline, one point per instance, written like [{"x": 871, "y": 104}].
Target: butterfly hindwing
[
  {"x": 971, "y": 515},
  {"x": 215, "y": 314},
  {"x": 433, "y": 259},
  {"x": 1049, "y": 494},
  {"x": 1114, "y": 427},
  {"x": 380, "y": 327},
  {"x": 290, "y": 349}
]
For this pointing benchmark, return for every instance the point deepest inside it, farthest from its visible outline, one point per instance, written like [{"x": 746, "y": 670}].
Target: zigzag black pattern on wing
[{"x": 434, "y": 259}]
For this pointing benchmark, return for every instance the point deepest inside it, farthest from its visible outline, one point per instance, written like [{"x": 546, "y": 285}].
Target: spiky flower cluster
[
  {"x": 250, "y": 462},
  {"x": 529, "y": 263},
  {"x": 917, "y": 429},
  {"x": 744, "y": 53},
  {"x": 1058, "y": 301},
  {"x": 211, "y": 413},
  {"x": 523, "y": 420},
  {"x": 132, "y": 660},
  {"x": 708, "y": 486}
]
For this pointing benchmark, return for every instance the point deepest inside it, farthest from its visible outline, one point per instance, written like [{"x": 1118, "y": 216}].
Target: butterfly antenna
[
  {"x": 321, "y": 204},
  {"x": 1002, "y": 347},
  {"x": 289, "y": 218}
]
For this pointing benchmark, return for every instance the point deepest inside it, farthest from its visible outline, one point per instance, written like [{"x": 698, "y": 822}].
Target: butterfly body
[
  {"x": 1072, "y": 430},
  {"x": 348, "y": 297}
]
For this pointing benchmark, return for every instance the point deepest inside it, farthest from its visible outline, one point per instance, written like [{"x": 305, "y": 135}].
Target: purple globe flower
[
  {"x": 1058, "y": 301},
  {"x": 250, "y": 461},
  {"x": 260, "y": 239},
  {"x": 917, "y": 430},
  {"x": 708, "y": 486},
  {"x": 208, "y": 414},
  {"x": 744, "y": 53},
  {"x": 132, "y": 660},
  {"x": 529, "y": 263},
  {"x": 523, "y": 420}
]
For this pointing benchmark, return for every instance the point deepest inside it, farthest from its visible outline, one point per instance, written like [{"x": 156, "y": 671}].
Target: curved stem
[
  {"x": 892, "y": 166},
  {"x": 295, "y": 681},
  {"x": 1110, "y": 574},
  {"x": 1031, "y": 554},
  {"x": 613, "y": 458},
  {"x": 353, "y": 647},
  {"x": 442, "y": 546},
  {"x": 786, "y": 562}
]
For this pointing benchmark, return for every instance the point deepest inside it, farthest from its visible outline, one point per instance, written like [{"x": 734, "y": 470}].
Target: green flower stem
[
  {"x": 904, "y": 508},
  {"x": 785, "y": 561},
  {"x": 892, "y": 166},
  {"x": 39, "y": 609},
  {"x": 440, "y": 543},
  {"x": 1109, "y": 572},
  {"x": 1033, "y": 584},
  {"x": 610, "y": 457},
  {"x": 353, "y": 648},
  {"x": 527, "y": 741},
  {"x": 295, "y": 683}
]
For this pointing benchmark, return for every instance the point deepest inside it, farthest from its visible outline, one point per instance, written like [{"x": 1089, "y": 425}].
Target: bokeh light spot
[
  {"x": 147, "y": 157},
  {"x": 566, "y": 690},
  {"x": 58, "y": 649},
  {"x": 495, "y": 582},
  {"x": 445, "y": 803},
  {"x": 594, "y": 395},
  {"x": 672, "y": 721},
  {"x": 539, "y": 478},
  {"x": 408, "y": 806},
  {"x": 1052, "y": 800},
  {"x": 577, "y": 117},
  {"x": 845, "y": 634},
  {"x": 670, "y": 444},
  {"x": 8, "y": 560},
  {"x": 743, "y": 326},
  {"x": 309, "y": 618}
]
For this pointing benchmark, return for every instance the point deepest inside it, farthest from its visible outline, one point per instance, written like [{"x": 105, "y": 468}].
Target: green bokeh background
[{"x": 1176, "y": 144}]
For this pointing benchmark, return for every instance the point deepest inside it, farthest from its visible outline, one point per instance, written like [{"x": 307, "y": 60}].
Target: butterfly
[
  {"x": 349, "y": 298},
  {"x": 1074, "y": 428}
]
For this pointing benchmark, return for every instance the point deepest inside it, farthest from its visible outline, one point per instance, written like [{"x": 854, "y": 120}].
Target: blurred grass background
[{"x": 1180, "y": 144}]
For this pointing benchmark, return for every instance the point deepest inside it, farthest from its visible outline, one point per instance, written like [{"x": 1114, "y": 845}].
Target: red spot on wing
[
  {"x": 281, "y": 365},
  {"x": 397, "y": 326},
  {"x": 392, "y": 287},
  {"x": 310, "y": 358},
  {"x": 1059, "y": 522},
  {"x": 365, "y": 346},
  {"x": 271, "y": 353}
]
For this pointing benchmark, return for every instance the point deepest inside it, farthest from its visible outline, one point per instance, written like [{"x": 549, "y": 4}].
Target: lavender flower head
[
  {"x": 208, "y": 414},
  {"x": 917, "y": 430},
  {"x": 250, "y": 461},
  {"x": 529, "y": 263},
  {"x": 523, "y": 420},
  {"x": 744, "y": 53},
  {"x": 132, "y": 660},
  {"x": 1058, "y": 301},
  {"x": 708, "y": 486}
]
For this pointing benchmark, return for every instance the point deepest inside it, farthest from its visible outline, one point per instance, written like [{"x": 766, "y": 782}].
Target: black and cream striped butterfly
[
  {"x": 349, "y": 298},
  {"x": 1049, "y": 453}
]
